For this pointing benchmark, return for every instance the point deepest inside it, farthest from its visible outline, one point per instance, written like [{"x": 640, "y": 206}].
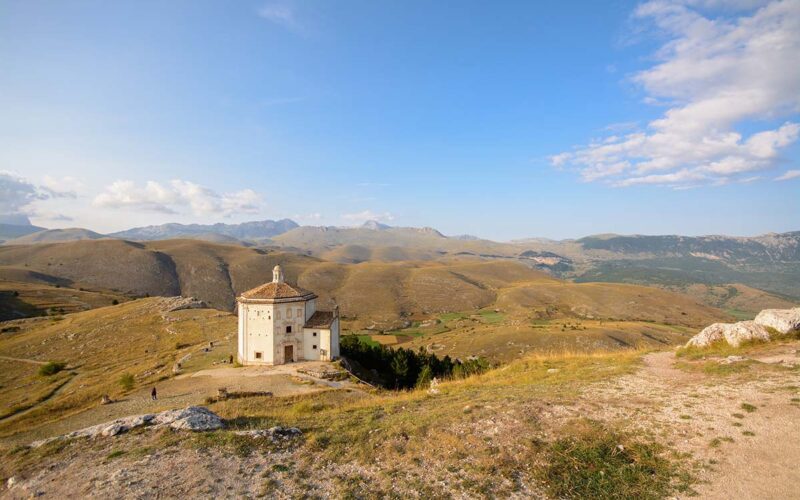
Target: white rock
[
  {"x": 732, "y": 333},
  {"x": 782, "y": 320},
  {"x": 193, "y": 418},
  {"x": 11, "y": 482}
]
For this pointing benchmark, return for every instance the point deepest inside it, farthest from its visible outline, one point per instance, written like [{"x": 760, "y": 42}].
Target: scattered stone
[
  {"x": 732, "y": 359},
  {"x": 105, "y": 400},
  {"x": 276, "y": 433},
  {"x": 11, "y": 482},
  {"x": 434, "y": 388},
  {"x": 782, "y": 320},
  {"x": 552, "y": 370},
  {"x": 732, "y": 333}
]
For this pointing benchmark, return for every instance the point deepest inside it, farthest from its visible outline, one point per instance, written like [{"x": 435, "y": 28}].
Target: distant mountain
[
  {"x": 374, "y": 225},
  {"x": 246, "y": 231},
  {"x": 11, "y": 231},
  {"x": 765, "y": 249},
  {"x": 55, "y": 236}
]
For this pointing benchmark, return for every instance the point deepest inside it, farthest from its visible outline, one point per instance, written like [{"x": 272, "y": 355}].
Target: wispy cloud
[
  {"x": 715, "y": 74},
  {"x": 176, "y": 196},
  {"x": 281, "y": 14},
  {"x": 366, "y": 215},
  {"x": 788, "y": 175}
]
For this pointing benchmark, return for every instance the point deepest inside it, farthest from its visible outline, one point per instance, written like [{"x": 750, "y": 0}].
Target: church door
[{"x": 288, "y": 354}]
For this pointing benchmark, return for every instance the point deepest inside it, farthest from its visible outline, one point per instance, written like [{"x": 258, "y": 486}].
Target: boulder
[
  {"x": 732, "y": 333},
  {"x": 193, "y": 418},
  {"x": 782, "y": 320}
]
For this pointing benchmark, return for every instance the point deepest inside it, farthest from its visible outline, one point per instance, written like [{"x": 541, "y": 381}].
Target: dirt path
[
  {"x": 745, "y": 431},
  {"x": 23, "y": 360}
]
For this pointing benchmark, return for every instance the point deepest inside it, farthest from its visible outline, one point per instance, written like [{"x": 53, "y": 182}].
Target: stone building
[{"x": 279, "y": 323}]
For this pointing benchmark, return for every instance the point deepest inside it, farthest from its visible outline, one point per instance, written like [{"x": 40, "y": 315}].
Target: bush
[
  {"x": 51, "y": 368},
  {"x": 114, "y": 302},
  {"x": 126, "y": 381}
]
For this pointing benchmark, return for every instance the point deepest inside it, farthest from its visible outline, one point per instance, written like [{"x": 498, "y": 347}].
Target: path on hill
[
  {"x": 24, "y": 360},
  {"x": 745, "y": 431}
]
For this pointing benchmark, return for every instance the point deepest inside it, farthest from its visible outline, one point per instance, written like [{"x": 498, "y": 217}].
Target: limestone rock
[
  {"x": 782, "y": 320},
  {"x": 276, "y": 433},
  {"x": 193, "y": 418},
  {"x": 732, "y": 333}
]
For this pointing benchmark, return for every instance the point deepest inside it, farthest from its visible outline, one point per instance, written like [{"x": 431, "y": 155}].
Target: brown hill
[{"x": 380, "y": 295}]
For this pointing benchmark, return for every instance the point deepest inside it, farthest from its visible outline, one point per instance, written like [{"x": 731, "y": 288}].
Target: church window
[
  {"x": 299, "y": 313},
  {"x": 314, "y": 347},
  {"x": 277, "y": 314},
  {"x": 258, "y": 355},
  {"x": 288, "y": 313},
  {"x": 289, "y": 329},
  {"x": 314, "y": 334}
]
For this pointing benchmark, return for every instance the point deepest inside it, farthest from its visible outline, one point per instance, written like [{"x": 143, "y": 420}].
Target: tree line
[{"x": 405, "y": 368}]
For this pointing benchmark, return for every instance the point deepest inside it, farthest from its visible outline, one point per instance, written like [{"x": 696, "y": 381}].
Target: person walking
[{"x": 153, "y": 394}]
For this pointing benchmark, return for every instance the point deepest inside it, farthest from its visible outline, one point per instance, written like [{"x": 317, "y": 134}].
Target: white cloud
[
  {"x": 367, "y": 215},
  {"x": 178, "y": 194},
  {"x": 308, "y": 217},
  {"x": 789, "y": 174},
  {"x": 715, "y": 74},
  {"x": 280, "y": 14}
]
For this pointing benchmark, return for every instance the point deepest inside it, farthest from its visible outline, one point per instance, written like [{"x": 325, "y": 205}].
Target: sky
[{"x": 498, "y": 119}]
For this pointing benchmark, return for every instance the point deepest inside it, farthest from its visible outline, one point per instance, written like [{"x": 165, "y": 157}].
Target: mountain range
[{"x": 769, "y": 262}]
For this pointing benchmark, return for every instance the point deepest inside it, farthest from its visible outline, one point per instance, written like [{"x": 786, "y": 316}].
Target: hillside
[
  {"x": 377, "y": 295},
  {"x": 11, "y": 231},
  {"x": 562, "y": 425},
  {"x": 142, "y": 337},
  {"x": 55, "y": 236}
]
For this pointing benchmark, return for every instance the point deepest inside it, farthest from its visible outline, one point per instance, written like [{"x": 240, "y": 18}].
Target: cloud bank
[
  {"x": 718, "y": 76},
  {"x": 177, "y": 196}
]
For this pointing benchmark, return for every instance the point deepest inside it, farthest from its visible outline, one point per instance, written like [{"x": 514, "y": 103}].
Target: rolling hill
[{"x": 55, "y": 235}]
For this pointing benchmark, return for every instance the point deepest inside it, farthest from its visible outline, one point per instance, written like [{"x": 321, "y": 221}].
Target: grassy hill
[
  {"x": 55, "y": 235},
  {"x": 376, "y": 295},
  {"x": 142, "y": 338}
]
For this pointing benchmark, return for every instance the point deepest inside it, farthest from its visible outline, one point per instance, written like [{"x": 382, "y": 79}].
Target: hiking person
[{"x": 153, "y": 394}]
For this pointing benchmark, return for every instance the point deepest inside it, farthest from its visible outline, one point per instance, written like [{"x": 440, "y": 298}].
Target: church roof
[
  {"x": 275, "y": 290},
  {"x": 320, "y": 319}
]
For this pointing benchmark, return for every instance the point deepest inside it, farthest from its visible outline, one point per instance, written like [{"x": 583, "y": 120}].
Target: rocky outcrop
[
  {"x": 193, "y": 418},
  {"x": 782, "y": 320},
  {"x": 732, "y": 333}
]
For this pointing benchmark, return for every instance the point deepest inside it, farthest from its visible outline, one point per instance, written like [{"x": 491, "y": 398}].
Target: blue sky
[{"x": 500, "y": 119}]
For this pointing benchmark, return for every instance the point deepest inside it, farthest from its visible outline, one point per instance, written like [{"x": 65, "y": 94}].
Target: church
[{"x": 279, "y": 323}]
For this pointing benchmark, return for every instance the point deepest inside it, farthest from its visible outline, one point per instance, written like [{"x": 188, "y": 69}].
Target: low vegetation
[
  {"x": 51, "y": 368},
  {"x": 592, "y": 461}
]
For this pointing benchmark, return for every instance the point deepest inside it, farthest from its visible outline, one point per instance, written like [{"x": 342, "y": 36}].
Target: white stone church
[{"x": 279, "y": 323}]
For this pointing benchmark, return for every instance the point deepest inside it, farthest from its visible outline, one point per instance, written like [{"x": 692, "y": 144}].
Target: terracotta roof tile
[
  {"x": 275, "y": 290},
  {"x": 320, "y": 319}
]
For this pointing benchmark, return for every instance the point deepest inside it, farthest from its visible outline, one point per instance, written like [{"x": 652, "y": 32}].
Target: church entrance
[{"x": 288, "y": 354}]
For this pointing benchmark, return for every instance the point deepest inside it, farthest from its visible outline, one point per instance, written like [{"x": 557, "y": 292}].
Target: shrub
[
  {"x": 51, "y": 368},
  {"x": 126, "y": 381},
  {"x": 114, "y": 302}
]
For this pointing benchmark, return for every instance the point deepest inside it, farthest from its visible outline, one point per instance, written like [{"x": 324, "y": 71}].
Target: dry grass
[{"x": 98, "y": 346}]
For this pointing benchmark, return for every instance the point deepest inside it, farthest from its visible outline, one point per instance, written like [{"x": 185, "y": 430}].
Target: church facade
[{"x": 279, "y": 323}]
